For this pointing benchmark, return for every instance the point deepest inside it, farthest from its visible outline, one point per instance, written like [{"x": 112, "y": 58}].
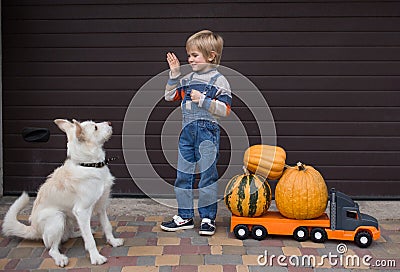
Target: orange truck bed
[{"x": 277, "y": 224}]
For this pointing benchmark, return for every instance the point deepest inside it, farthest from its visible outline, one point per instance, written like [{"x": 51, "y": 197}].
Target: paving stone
[
  {"x": 37, "y": 252},
  {"x": 199, "y": 241},
  {"x": 290, "y": 251},
  {"x": 168, "y": 260},
  {"x": 146, "y": 260},
  {"x": 31, "y": 243},
  {"x": 152, "y": 242},
  {"x": 192, "y": 260},
  {"x": 165, "y": 268},
  {"x": 395, "y": 238},
  {"x": 135, "y": 241},
  {"x": 312, "y": 244},
  {"x": 269, "y": 269},
  {"x": 154, "y": 218},
  {"x": 140, "y": 269},
  {"x": 229, "y": 268},
  {"x": 76, "y": 251},
  {"x": 218, "y": 241},
  {"x": 210, "y": 268},
  {"x": 11, "y": 264},
  {"x": 162, "y": 241},
  {"x": 49, "y": 263},
  {"x": 145, "y": 251},
  {"x": 237, "y": 250},
  {"x": 187, "y": 250},
  {"x": 30, "y": 263},
  {"x": 127, "y": 229},
  {"x": 185, "y": 268},
  {"x": 223, "y": 259},
  {"x": 216, "y": 250},
  {"x": 3, "y": 263},
  {"x": 146, "y": 235},
  {"x": 250, "y": 259},
  {"x": 122, "y": 261},
  {"x": 115, "y": 269},
  {"x": 141, "y": 223},
  {"x": 242, "y": 268},
  {"x": 19, "y": 253},
  {"x": 119, "y": 251},
  {"x": 4, "y": 251},
  {"x": 261, "y": 250}
]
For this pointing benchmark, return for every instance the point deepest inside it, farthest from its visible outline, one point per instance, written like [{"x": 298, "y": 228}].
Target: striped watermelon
[{"x": 248, "y": 195}]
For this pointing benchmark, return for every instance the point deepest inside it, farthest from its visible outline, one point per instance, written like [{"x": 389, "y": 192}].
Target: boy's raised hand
[{"x": 174, "y": 64}]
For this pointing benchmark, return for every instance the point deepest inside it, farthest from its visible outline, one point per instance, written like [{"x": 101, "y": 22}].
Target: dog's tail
[{"x": 11, "y": 225}]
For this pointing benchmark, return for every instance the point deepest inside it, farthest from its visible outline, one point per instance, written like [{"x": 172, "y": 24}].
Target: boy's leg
[
  {"x": 207, "y": 156},
  {"x": 186, "y": 173},
  {"x": 184, "y": 183},
  {"x": 208, "y": 193}
]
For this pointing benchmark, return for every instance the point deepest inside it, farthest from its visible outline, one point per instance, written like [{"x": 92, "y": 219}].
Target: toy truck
[{"x": 344, "y": 223}]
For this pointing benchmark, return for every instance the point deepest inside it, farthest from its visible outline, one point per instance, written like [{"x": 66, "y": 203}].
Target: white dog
[{"x": 72, "y": 193}]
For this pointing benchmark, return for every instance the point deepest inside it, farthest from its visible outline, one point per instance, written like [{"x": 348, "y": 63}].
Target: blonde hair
[{"x": 206, "y": 42}]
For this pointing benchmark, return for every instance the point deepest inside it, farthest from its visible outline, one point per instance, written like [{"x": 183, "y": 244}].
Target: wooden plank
[
  {"x": 276, "y": 83},
  {"x": 366, "y": 173},
  {"x": 231, "y": 53},
  {"x": 259, "y": 68},
  {"x": 114, "y": 2},
  {"x": 294, "y": 39},
  {"x": 202, "y": 10},
  {"x": 318, "y": 158},
  {"x": 286, "y": 128},
  {"x": 122, "y": 98},
  {"x": 260, "y": 24}
]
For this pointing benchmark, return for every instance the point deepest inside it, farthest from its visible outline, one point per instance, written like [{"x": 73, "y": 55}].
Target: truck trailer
[{"x": 345, "y": 222}]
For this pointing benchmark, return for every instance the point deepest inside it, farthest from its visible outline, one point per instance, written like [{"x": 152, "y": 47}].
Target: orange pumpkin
[
  {"x": 301, "y": 193},
  {"x": 265, "y": 160}
]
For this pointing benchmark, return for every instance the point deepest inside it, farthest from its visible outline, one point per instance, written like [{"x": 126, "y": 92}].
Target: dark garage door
[{"x": 330, "y": 72}]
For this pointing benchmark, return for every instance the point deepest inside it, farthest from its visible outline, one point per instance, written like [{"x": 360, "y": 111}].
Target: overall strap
[
  {"x": 186, "y": 82},
  {"x": 212, "y": 81}
]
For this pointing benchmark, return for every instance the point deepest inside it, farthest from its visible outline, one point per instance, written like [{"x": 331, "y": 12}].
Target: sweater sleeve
[
  {"x": 220, "y": 105},
  {"x": 172, "y": 89}
]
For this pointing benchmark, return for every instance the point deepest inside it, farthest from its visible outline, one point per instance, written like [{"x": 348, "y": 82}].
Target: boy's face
[{"x": 197, "y": 60}]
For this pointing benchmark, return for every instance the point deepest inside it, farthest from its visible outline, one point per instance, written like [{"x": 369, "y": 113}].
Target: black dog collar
[{"x": 98, "y": 164}]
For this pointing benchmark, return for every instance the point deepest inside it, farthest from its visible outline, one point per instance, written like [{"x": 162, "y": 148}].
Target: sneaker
[
  {"x": 177, "y": 223},
  {"x": 207, "y": 227}
]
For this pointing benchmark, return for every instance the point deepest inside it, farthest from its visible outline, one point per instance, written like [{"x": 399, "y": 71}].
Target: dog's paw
[
  {"x": 116, "y": 242},
  {"x": 99, "y": 259},
  {"x": 61, "y": 261}
]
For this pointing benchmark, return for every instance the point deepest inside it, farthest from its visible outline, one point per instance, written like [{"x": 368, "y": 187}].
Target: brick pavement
[{"x": 148, "y": 248}]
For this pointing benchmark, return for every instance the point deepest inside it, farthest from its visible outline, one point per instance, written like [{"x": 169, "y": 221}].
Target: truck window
[{"x": 352, "y": 214}]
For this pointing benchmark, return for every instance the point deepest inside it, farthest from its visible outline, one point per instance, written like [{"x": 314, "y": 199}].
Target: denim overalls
[{"x": 198, "y": 146}]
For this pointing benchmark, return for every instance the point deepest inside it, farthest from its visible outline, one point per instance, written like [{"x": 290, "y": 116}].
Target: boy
[{"x": 205, "y": 96}]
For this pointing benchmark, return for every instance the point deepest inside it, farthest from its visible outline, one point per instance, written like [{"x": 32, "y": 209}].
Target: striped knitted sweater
[{"x": 216, "y": 99}]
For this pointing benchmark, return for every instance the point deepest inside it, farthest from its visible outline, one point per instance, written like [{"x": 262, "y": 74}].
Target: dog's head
[{"x": 85, "y": 140}]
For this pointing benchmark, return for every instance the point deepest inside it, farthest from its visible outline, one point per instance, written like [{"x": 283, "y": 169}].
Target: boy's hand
[
  {"x": 174, "y": 64},
  {"x": 195, "y": 96}
]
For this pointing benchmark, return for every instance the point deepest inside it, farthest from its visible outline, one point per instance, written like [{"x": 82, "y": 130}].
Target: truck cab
[{"x": 345, "y": 216}]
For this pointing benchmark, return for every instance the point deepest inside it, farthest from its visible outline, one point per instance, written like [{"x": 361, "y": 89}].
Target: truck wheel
[
  {"x": 259, "y": 232},
  {"x": 318, "y": 235},
  {"x": 241, "y": 232},
  {"x": 301, "y": 234},
  {"x": 363, "y": 239}
]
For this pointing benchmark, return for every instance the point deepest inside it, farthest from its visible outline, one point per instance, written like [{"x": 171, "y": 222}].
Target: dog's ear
[
  {"x": 64, "y": 124},
  {"x": 79, "y": 134}
]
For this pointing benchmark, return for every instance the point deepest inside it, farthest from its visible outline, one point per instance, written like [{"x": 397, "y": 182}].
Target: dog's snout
[{"x": 109, "y": 123}]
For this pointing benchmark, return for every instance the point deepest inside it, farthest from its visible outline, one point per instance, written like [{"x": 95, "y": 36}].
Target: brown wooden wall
[{"x": 330, "y": 71}]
